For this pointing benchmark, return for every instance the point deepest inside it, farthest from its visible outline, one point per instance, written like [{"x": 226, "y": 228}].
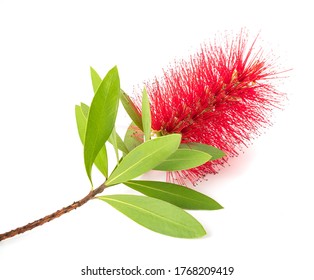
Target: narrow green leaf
[
  {"x": 96, "y": 80},
  {"x": 120, "y": 144},
  {"x": 157, "y": 215},
  {"x": 101, "y": 117},
  {"x": 101, "y": 160},
  {"x": 146, "y": 116},
  {"x": 183, "y": 159},
  {"x": 175, "y": 194},
  {"x": 113, "y": 140},
  {"x": 133, "y": 137},
  {"x": 144, "y": 158},
  {"x": 214, "y": 152},
  {"x": 85, "y": 109},
  {"x": 131, "y": 109},
  {"x": 80, "y": 122}
]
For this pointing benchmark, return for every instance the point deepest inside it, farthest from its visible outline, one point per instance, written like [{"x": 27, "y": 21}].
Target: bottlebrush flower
[{"x": 222, "y": 96}]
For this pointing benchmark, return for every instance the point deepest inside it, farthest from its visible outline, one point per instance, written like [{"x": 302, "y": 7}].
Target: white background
[{"x": 46, "y": 48}]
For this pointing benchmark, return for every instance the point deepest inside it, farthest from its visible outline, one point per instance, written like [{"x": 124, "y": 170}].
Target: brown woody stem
[{"x": 54, "y": 215}]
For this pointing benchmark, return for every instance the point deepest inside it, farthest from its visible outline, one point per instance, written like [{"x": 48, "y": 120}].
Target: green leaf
[
  {"x": 101, "y": 117},
  {"x": 133, "y": 137},
  {"x": 96, "y": 80},
  {"x": 113, "y": 140},
  {"x": 146, "y": 116},
  {"x": 183, "y": 159},
  {"x": 80, "y": 122},
  {"x": 157, "y": 215},
  {"x": 131, "y": 109},
  {"x": 214, "y": 152},
  {"x": 101, "y": 161},
  {"x": 103, "y": 153},
  {"x": 85, "y": 109},
  {"x": 175, "y": 194},
  {"x": 144, "y": 158},
  {"x": 119, "y": 142}
]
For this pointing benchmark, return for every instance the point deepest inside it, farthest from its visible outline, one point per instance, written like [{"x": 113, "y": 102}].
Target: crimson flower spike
[{"x": 222, "y": 96}]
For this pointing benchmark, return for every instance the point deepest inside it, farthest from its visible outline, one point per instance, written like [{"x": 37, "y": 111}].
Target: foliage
[{"x": 161, "y": 207}]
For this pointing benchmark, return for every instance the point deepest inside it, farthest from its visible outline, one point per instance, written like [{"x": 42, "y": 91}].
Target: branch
[{"x": 54, "y": 215}]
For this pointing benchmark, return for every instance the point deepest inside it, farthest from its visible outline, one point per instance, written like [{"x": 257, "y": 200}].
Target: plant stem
[{"x": 54, "y": 215}]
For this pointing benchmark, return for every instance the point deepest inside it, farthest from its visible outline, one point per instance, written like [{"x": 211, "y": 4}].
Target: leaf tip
[
  {"x": 115, "y": 69},
  {"x": 219, "y": 207},
  {"x": 203, "y": 233},
  {"x": 199, "y": 233},
  {"x": 216, "y": 206},
  {"x": 222, "y": 153},
  {"x": 89, "y": 175},
  {"x": 92, "y": 70}
]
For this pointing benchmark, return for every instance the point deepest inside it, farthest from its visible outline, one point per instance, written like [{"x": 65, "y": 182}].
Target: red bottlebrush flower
[{"x": 222, "y": 96}]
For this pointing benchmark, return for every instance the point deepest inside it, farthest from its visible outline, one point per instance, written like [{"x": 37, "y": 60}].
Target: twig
[{"x": 54, "y": 215}]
